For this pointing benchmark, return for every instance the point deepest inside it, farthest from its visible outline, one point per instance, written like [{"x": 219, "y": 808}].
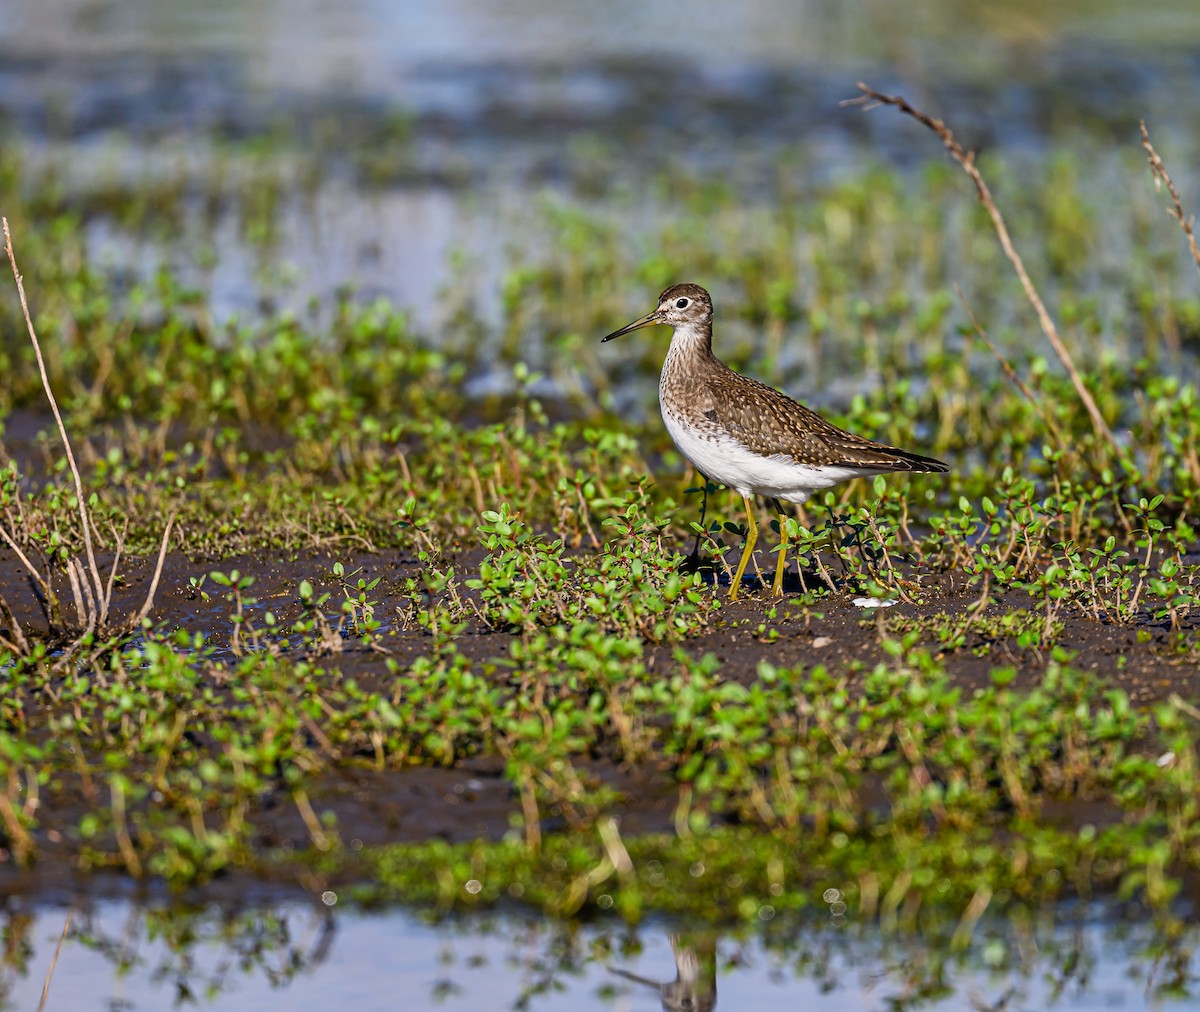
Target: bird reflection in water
[{"x": 694, "y": 988}]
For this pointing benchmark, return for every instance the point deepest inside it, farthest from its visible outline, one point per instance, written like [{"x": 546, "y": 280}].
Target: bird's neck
[{"x": 690, "y": 351}]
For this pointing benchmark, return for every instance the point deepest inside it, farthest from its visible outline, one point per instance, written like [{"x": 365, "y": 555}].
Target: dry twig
[
  {"x": 17, "y": 643},
  {"x": 871, "y": 99},
  {"x": 91, "y": 593},
  {"x": 54, "y": 961},
  {"x": 1161, "y": 178},
  {"x": 158, "y": 568},
  {"x": 32, "y": 569},
  {"x": 94, "y": 570}
]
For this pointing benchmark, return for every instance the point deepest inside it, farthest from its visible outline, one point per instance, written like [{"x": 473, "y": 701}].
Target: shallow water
[
  {"x": 300, "y": 957},
  {"x": 473, "y": 111},
  {"x": 455, "y": 117}
]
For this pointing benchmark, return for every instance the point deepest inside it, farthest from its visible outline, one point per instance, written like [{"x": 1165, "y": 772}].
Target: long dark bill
[{"x": 646, "y": 321}]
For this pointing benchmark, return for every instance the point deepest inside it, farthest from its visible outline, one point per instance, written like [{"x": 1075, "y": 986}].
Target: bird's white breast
[{"x": 722, "y": 459}]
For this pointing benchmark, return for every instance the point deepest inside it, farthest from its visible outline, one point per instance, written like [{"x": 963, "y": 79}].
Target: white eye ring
[{"x": 681, "y": 304}]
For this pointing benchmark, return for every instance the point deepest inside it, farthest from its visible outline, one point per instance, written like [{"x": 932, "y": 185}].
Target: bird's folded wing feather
[{"x": 769, "y": 422}]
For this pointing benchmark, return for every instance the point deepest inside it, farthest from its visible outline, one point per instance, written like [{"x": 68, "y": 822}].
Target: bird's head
[{"x": 678, "y": 306}]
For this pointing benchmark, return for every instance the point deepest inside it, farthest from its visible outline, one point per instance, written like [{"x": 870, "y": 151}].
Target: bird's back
[{"x": 701, "y": 395}]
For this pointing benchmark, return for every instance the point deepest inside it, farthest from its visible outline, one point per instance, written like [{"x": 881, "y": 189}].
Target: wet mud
[{"x": 474, "y": 799}]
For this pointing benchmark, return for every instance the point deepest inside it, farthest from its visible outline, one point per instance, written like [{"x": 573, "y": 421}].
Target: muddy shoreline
[{"x": 473, "y": 799}]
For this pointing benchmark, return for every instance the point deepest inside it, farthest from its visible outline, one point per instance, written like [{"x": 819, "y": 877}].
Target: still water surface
[
  {"x": 454, "y": 119},
  {"x": 496, "y": 104},
  {"x": 293, "y": 956}
]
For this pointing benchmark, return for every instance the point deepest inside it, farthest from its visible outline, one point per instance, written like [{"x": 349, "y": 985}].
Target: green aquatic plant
[{"x": 404, "y": 551}]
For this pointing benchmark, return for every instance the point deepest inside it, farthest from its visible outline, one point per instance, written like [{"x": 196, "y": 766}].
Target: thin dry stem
[
  {"x": 530, "y": 815},
  {"x": 121, "y": 829},
  {"x": 77, "y": 594},
  {"x": 319, "y": 838},
  {"x": 1162, "y": 178},
  {"x": 614, "y": 846},
  {"x": 1182, "y": 704},
  {"x": 54, "y": 961},
  {"x": 92, "y": 594},
  {"x": 19, "y": 840},
  {"x": 25, "y": 561},
  {"x": 92, "y": 606},
  {"x": 970, "y": 918},
  {"x": 162, "y": 556},
  {"x": 870, "y": 99},
  {"x": 896, "y": 582},
  {"x": 97, "y": 583},
  {"x": 18, "y": 643},
  {"x": 119, "y": 539}
]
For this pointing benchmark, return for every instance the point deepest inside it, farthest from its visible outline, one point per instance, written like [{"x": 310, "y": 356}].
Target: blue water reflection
[{"x": 301, "y": 957}]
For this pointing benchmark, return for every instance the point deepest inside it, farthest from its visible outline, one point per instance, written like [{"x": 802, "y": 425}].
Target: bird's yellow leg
[
  {"x": 747, "y": 549},
  {"x": 781, "y": 565}
]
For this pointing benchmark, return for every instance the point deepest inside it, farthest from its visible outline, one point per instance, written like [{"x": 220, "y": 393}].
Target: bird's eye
[{"x": 681, "y": 304}]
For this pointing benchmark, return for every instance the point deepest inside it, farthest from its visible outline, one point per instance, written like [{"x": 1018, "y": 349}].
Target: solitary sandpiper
[{"x": 747, "y": 435}]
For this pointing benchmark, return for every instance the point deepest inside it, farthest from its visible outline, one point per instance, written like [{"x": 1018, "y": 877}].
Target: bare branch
[
  {"x": 97, "y": 583},
  {"x": 119, "y": 539},
  {"x": 162, "y": 555},
  {"x": 91, "y": 606},
  {"x": 18, "y": 643},
  {"x": 54, "y": 961},
  {"x": 1161, "y": 178},
  {"x": 37, "y": 577},
  {"x": 77, "y": 594},
  {"x": 871, "y": 99}
]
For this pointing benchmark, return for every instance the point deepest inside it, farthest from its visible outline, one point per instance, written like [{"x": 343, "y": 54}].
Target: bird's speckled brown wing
[{"x": 769, "y": 422}]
